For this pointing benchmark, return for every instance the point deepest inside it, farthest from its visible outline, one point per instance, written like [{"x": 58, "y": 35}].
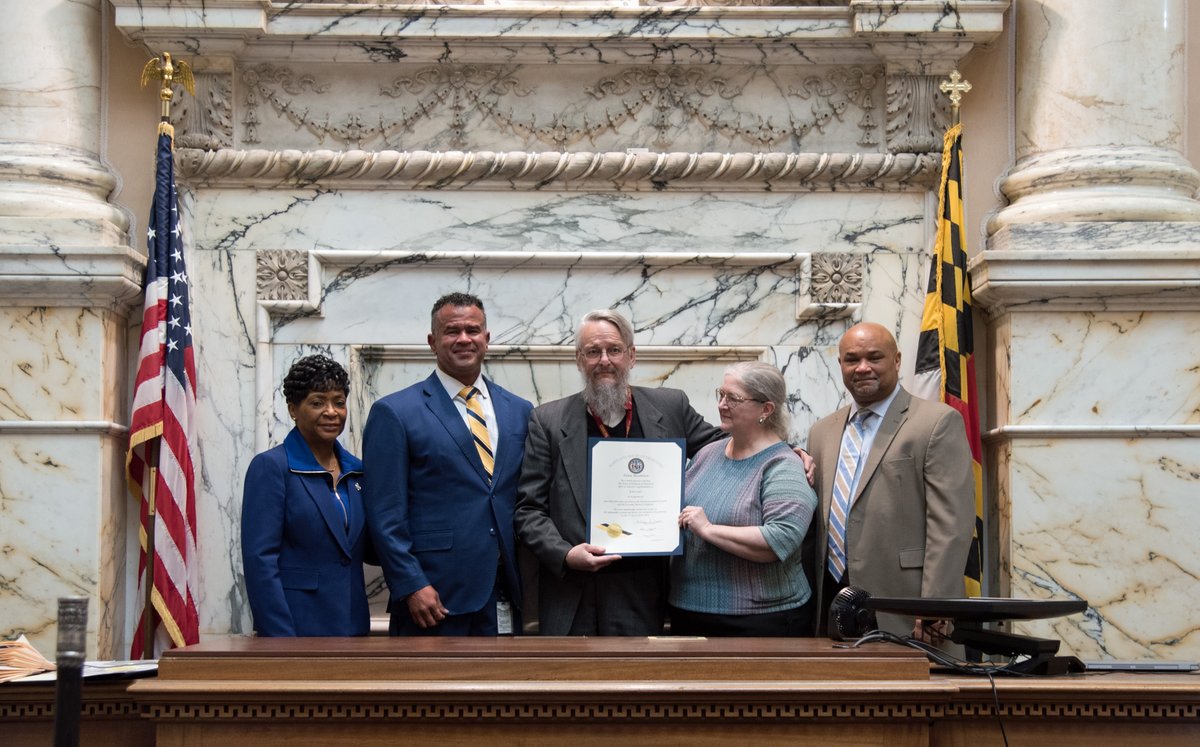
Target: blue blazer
[
  {"x": 433, "y": 517},
  {"x": 303, "y": 566}
]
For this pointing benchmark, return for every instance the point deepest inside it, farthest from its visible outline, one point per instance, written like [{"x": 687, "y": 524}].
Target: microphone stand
[{"x": 72, "y": 650}]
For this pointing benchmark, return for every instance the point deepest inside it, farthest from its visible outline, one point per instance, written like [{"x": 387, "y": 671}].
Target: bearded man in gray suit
[
  {"x": 910, "y": 492},
  {"x": 582, "y": 591}
]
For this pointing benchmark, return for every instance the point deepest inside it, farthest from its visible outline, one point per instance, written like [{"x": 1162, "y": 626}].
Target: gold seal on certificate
[{"x": 636, "y": 490}]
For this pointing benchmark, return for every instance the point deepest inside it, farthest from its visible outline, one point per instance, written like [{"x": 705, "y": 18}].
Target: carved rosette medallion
[
  {"x": 835, "y": 286},
  {"x": 837, "y": 278},
  {"x": 282, "y": 275}
]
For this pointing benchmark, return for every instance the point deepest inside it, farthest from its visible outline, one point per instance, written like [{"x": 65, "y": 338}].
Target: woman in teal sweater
[{"x": 748, "y": 507}]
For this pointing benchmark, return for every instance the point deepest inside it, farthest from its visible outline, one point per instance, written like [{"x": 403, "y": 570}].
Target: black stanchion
[{"x": 72, "y": 649}]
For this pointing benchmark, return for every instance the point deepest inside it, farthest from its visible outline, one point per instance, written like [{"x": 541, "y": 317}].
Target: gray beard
[{"x": 607, "y": 400}]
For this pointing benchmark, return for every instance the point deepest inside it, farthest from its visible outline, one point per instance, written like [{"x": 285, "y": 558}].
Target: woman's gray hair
[
  {"x": 606, "y": 315},
  {"x": 763, "y": 381}
]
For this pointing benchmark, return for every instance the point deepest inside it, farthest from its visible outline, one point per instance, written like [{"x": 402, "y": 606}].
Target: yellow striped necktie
[{"x": 479, "y": 430}]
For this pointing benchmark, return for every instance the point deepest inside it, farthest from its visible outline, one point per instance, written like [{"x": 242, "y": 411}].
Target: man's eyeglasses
[
  {"x": 614, "y": 353},
  {"x": 733, "y": 399}
]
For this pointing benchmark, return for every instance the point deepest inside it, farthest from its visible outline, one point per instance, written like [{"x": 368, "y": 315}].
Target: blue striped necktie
[{"x": 839, "y": 508}]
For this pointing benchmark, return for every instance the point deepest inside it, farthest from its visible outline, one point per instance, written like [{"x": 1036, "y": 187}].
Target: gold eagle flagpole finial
[
  {"x": 168, "y": 72},
  {"x": 956, "y": 87}
]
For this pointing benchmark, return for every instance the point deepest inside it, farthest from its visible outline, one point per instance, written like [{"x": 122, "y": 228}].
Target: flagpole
[
  {"x": 148, "y": 584},
  {"x": 945, "y": 367},
  {"x": 158, "y": 68}
]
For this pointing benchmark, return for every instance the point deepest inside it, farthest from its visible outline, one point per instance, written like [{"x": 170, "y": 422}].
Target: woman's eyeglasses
[{"x": 733, "y": 399}]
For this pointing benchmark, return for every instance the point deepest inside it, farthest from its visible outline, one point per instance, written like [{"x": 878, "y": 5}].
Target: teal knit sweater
[{"x": 767, "y": 490}]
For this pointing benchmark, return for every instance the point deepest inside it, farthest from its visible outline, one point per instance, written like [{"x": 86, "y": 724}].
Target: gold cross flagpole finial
[
  {"x": 168, "y": 72},
  {"x": 956, "y": 87}
]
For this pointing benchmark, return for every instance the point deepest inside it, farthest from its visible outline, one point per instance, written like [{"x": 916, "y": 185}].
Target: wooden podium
[
  {"x": 593, "y": 691},
  {"x": 599, "y": 691}
]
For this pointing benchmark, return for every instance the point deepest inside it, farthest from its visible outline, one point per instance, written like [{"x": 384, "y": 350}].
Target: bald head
[{"x": 870, "y": 362}]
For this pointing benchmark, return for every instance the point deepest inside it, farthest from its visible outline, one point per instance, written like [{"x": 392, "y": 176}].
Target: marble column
[
  {"x": 1091, "y": 279},
  {"x": 1084, "y": 129},
  {"x": 67, "y": 279}
]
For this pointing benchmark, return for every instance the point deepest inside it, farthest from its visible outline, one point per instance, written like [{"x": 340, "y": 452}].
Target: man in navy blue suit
[{"x": 441, "y": 460}]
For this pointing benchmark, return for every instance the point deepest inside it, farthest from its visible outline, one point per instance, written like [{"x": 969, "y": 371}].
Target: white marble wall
[
  {"x": 742, "y": 180},
  {"x": 1099, "y": 481},
  {"x": 706, "y": 279}
]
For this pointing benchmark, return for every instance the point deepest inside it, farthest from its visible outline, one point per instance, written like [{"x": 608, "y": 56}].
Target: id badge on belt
[{"x": 504, "y": 617}]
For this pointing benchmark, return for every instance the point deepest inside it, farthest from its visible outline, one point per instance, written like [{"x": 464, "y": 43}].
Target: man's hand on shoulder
[
  {"x": 810, "y": 465},
  {"x": 426, "y": 608},
  {"x": 585, "y": 557}
]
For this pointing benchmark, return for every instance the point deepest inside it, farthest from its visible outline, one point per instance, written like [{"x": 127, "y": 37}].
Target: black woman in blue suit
[{"x": 304, "y": 533}]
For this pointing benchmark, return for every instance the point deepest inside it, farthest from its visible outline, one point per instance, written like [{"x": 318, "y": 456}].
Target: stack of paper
[{"x": 19, "y": 658}]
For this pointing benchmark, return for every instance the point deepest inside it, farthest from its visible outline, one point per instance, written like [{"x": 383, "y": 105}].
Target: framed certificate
[{"x": 635, "y": 491}]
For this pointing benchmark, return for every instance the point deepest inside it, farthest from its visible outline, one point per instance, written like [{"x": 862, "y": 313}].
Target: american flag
[{"x": 159, "y": 464}]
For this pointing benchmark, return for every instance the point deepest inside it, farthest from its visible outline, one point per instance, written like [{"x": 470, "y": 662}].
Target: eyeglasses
[
  {"x": 733, "y": 399},
  {"x": 614, "y": 353}
]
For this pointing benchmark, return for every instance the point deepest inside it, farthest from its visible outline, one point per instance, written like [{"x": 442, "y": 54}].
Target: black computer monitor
[
  {"x": 976, "y": 609},
  {"x": 852, "y": 615}
]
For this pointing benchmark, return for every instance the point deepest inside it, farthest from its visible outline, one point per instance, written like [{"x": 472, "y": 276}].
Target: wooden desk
[
  {"x": 1078, "y": 711},
  {"x": 543, "y": 691},
  {"x": 539, "y": 691},
  {"x": 110, "y": 716}
]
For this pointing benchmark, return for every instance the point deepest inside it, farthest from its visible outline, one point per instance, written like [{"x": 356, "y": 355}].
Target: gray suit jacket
[
  {"x": 910, "y": 524},
  {"x": 552, "y": 499}
]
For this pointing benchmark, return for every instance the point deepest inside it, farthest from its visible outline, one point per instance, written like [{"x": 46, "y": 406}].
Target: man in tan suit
[{"x": 897, "y": 520}]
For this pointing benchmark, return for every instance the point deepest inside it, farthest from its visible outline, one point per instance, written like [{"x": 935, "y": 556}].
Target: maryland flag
[{"x": 945, "y": 369}]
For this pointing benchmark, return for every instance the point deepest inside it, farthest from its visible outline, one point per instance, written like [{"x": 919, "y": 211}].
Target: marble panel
[
  {"x": 57, "y": 364},
  {"x": 60, "y": 522},
  {"x": 1074, "y": 369},
  {"x": 686, "y": 302},
  {"x": 223, "y": 323},
  {"x": 115, "y": 589},
  {"x": 449, "y": 221},
  {"x": 1110, "y": 521}
]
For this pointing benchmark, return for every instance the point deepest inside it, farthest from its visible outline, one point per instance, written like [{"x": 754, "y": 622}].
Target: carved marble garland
[{"x": 472, "y": 95}]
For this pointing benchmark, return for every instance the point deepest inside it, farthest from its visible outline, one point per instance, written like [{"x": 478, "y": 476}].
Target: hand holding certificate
[{"x": 636, "y": 491}]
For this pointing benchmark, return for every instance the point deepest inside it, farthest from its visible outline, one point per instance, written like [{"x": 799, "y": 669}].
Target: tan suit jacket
[{"x": 910, "y": 523}]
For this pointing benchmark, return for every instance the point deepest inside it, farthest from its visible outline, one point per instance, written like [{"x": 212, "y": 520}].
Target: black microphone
[{"x": 849, "y": 618}]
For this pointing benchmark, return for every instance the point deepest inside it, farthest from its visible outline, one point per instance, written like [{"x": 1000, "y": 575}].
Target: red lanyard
[{"x": 628, "y": 417}]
